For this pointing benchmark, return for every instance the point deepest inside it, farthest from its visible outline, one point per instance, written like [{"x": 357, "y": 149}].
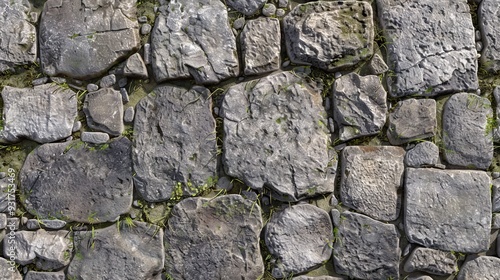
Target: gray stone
[
  {"x": 40, "y": 81},
  {"x": 135, "y": 67},
  {"x": 495, "y": 222},
  {"x": 280, "y": 13},
  {"x": 92, "y": 87},
  {"x": 7, "y": 195},
  {"x": 299, "y": 238},
  {"x": 329, "y": 35},
  {"x": 3, "y": 221},
  {"x": 365, "y": 248},
  {"x": 77, "y": 125},
  {"x": 239, "y": 23},
  {"x": 217, "y": 238},
  {"x": 94, "y": 137},
  {"x": 303, "y": 277},
  {"x": 431, "y": 47},
  {"x": 496, "y": 130},
  {"x": 484, "y": 267},
  {"x": 359, "y": 105},
  {"x": 421, "y": 277},
  {"x": 147, "y": 53},
  {"x": 278, "y": 122},
  {"x": 145, "y": 29},
  {"x": 423, "y": 154},
  {"x": 38, "y": 275},
  {"x": 125, "y": 97},
  {"x": 361, "y": 186},
  {"x": 128, "y": 116},
  {"x": 498, "y": 245},
  {"x": 72, "y": 181},
  {"x": 104, "y": 111},
  {"x": 174, "y": 143},
  {"x": 432, "y": 261},
  {"x": 120, "y": 251},
  {"x": 201, "y": 46},
  {"x": 43, "y": 114},
  {"x": 268, "y": 10},
  {"x": 467, "y": 131},
  {"x": 123, "y": 81},
  {"x": 448, "y": 210},
  {"x": 377, "y": 65},
  {"x": 488, "y": 19},
  {"x": 283, "y": 3},
  {"x": 495, "y": 195},
  {"x": 108, "y": 81},
  {"x": 261, "y": 45},
  {"x": 224, "y": 183},
  {"x": 8, "y": 270},
  {"x": 142, "y": 19},
  {"x": 412, "y": 119},
  {"x": 335, "y": 215},
  {"x": 83, "y": 39},
  {"x": 13, "y": 223},
  {"x": 45, "y": 224},
  {"x": 246, "y": 7}
]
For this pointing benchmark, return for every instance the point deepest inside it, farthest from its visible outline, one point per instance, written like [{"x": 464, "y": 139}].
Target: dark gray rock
[
  {"x": 174, "y": 143},
  {"x": 431, "y": 48},
  {"x": 246, "y": 7},
  {"x": 75, "y": 182},
  {"x": 108, "y": 81},
  {"x": 448, "y": 210},
  {"x": 269, "y": 10},
  {"x": 363, "y": 189},
  {"x": 495, "y": 221},
  {"x": 495, "y": 195},
  {"x": 412, "y": 119},
  {"x": 94, "y": 137},
  {"x": 122, "y": 82},
  {"x": 303, "y": 277},
  {"x": 299, "y": 238},
  {"x": 38, "y": 275},
  {"x": 77, "y": 125},
  {"x": 192, "y": 38},
  {"x": 484, "y": 267},
  {"x": 239, "y": 23},
  {"x": 121, "y": 251},
  {"x": 45, "y": 224},
  {"x": 43, "y": 114},
  {"x": 128, "y": 116},
  {"x": 217, "y": 238},
  {"x": 9, "y": 271},
  {"x": 432, "y": 261},
  {"x": 488, "y": 19},
  {"x": 225, "y": 183},
  {"x": 423, "y": 154},
  {"x": 92, "y": 87},
  {"x": 329, "y": 35},
  {"x": 83, "y": 39},
  {"x": 360, "y": 106},
  {"x": 125, "y": 97},
  {"x": 275, "y": 135},
  {"x": 261, "y": 45},
  {"x": 135, "y": 67},
  {"x": 467, "y": 131},
  {"x": 365, "y": 248},
  {"x": 496, "y": 130},
  {"x": 104, "y": 111}
]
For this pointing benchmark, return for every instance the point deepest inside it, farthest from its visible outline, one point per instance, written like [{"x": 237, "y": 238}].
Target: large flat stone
[
  {"x": 484, "y": 267},
  {"x": 412, "y": 119},
  {"x": 489, "y": 19}
]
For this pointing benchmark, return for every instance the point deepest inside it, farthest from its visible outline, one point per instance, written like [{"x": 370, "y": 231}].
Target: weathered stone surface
[
  {"x": 38, "y": 275},
  {"x": 363, "y": 189},
  {"x": 299, "y": 238},
  {"x": 269, "y": 10},
  {"x": 128, "y": 115},
  {"x": 45, "y": 224},
  {"x": 366, "y": 248},
  {"x": 217, "y": 238},
  {"x": 329, "y": 35},
  {"x": 431, "y": 48},
  {"x": 412, "y": 119},
  {"x": 5, "y": 198},
  {"x": 496, "y": 130},
  {"x": 489, "y": 19},
  {"x": 448, "y": 210},
  {"x": 75, "y": 182},
  {"x": 8, "y": 272},
  {"x": 108, "y": 81},
  {"x": 246, "y": 7},
  {"x": 174, "y": 142},
  {"x": 467, "y": 131},
  {"x": 498, "y": 245},
  {"x": 483, "y": 267},
  {"x": 192, "y": 38},
  {"x": 135, "y": 67},
  {"x": 127, "y": 252},
  {"x": 83, "y": 39},
  {"x": 104, "y": 111},
  {"x": 19, "y": 41},
  {"x": 432, "y": 261},
  {"x": 423, "y": 154},
  {"x": 275, "y": 135},
  {"x": 303, "y": 277},
  {"x": 3, "y": 220},
  {"x": 495, "y": 221},
  {"x": 359, "y": 105},
  {"x": 94, "y": 137},
  {"x": 377, "y": 65},
  {"x": 43, "y": 114},
  {"x": 495, "y": 196},
  {"x": 261, "y": 45}
]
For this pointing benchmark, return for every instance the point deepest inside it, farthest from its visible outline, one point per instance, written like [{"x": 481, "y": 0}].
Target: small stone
[
  {"x": 440, "y": 166},
  {"x": 479, "y": 46},
  {"x": 94, "y": 137},
  {"x": 135, "y": 67},
  {"x": 407, "y": 249},
  {"x": 334, "y": 201},
  {"x": 224, "y": 183},
  {"x": 3, "y": 221},
  {"x": 39, "y": 275},
  {"x": 125, "y": 97},
  {"x": 239, "y": 23},
  {"x": 331, "y": 125},
  {"x": 495, "y": 195},
  {"x": 146, "y": 29},
  {"x": 104, "y": 111},
  {"x": 77, "y": 126},
  {"x": 269, "y": 10},
  {"x": 122, "y": 82},
  {"x": 24, "y": 220},
  {"x": 216, "y": 110},
  {"x": 13, "y": 223},
  {"x": 422, "y": 155},
  {"x": 283, "y": 3},
  {"x": 147, "y": 53},
  {"x": 337, "y": 75},
  {"x": 431, "y": 261},
  {"x": 45, "y": 224},
  {"x": 496, "y": 130},
  {"x": 495, "y": 175},
  {"x": 280, "y": 13},
  {"x": 377, "y": 65},
  {"x": 335, "y": 217},
  {"x": 33, "y": 224},
  {"x": 495, "y": 222},
  {"x": 142, "y": 19},
  {"x": 246, "y": 7},
  {"x": 40, "y": 81},
  {"x": 7, "y": 272},
  {"x": 478, "y": 35},
  {"x": 128, "y": 116},
  {"x": 304, "y": 277},
  {"x": 412, "y": 119},
  {"x": 92, "y": 87},
  {"x": 108, "y": 81},
  {"x": 483, "y": 267},
  {"x": 4, "y": 174},
  {"x": 285, "y": 64},
  {"x": 249, "y": 195}
]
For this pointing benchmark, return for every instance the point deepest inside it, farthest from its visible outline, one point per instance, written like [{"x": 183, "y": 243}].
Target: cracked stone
[
  {"x": 484, "y": 267},
  {"x": 423, "y": 154}
]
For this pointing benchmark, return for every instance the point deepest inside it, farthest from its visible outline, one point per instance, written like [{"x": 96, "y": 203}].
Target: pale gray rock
[
  {"x": 174, "y": 142},
  {"x": 3, "y": 221},
  {"x": 377, "y": 65},
  {"x": 361, "y": 186},
  {"x": 280, "y": 13},
  {"x": 145, "y": 29},
  {"x": 303, "y": 277},
  {"x": 147, "y": 53},
  {"x": 72, "y": 181},
  {"x": 496, "y": 130},
  {"x": 192, "y": 38},
  {"x": 299, "y": 238},
  {"x": 412, "y": 119},
  {"x": 108, "y": 81},
  {"x": 40, "y": 81},
  {"x": 359, "y": 105},
  {"x": 39, "y": 275},
  {"x": 104, "y": 111},
  {"x": 239, "y": 23},
  {"x": 92, "y": 87},
  {"x": 135, "y": 67},
  {"x": 275, "y": 134},
  {"x": 13, "y": 223},
  {"x": 498, "y": 245},
  {"x": 431, "y": 48},
  {"x": 467, "y": 131},
  {"x": 329, "y": 35},
  {"x": 489, "y": 19},
  {"x": 269, "y": 10},
  {"x": 217, "y": 238},
  {"x": 94, "y": 137},
  {"x": 77, "y": 125},
  {"x": 484, "y": 267},
  {"x": 45, "y": 224},
  {"x": 142, "y": 19},
  {"x": 423, "y": 154},
  {"x": 128, "y": 116},
  {"x": 432, "y": 261},
  {"x": 261, "y": 45},
  {"x": 365, "y": 248},
  {"x": 283, "y": 3},
  {"x": 448, "y": 210},
  {"x": 119, "y": 251},
  {"x": 9, "y": 271},
  {"x": 83, "y": 39},
  {"x": 43, "y": 114},
  {"x": 495, "y": 195},
  {"x": 246, "y": 7}
]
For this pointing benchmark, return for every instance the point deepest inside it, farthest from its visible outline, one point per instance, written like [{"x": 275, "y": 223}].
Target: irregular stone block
[
  {"x": 275, "y": 135},
  {"x": 135, "y": 67},
  {"x": 423, "y": 154},
  {"x": 9, "y": 271},
  {"x": 108, "y": 81},
  {"x": 38, "y": 275},
  {"x": 432, "y": 261},
  {"x": 246, "y": 7},
  {"x": 412, "y": 119},
  {"x": 104, "y": 111},
  {"x": 303, "y": 277},
  {"x": 484, "y": 267},
  {"x": 489, "y": 19},
  {"x": 94, "y": 137},
  {"x": 377, "y": 65},
  {"x": 448, "y": 210},
  {"x": 496, "y": 130},
  {"x": 495, "y": 195},
  {"x": 3, "y": 221},
  {"x": 495, "y": 221},
  {"x": 128, "y": 116},
  {"x": 45, "y": 224}
]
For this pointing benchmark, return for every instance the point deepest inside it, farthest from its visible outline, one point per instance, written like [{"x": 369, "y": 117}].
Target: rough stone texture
[
  {"x": 496, "y": 130},
  {"x": 83, "y": 39},
  {"x": 423, "y": 154},
  {"x": 107, "y": 81},
  {"x": 217, "y": 238},
  {"x": 46, "y": 224},
  {"x": 495, "y": 221},
  {"x": 448, "y": 210},
  {"x": 19, "y": 41},
  {"x": 377, "y": 65},
  {"x": 174, "y": 142},
  {"x": 365, "y": 248},
  {"x": 3, "y": 220},
  {"x": 303, "y": 277},
  {"x": 7, "y": 272},
  {"x": 128, "y": 115},
  {"x": 467, "y": 132},
  {"x": 4, "y": 195},
  {"x": 498, "y": 245},
  {"x": 269, "y": 10},
  {"x": 495, "y": 196},
  {"x": 412, "y": 119},
  {"x": 431, "y": 46},
  {"x": 432, "y": 261},
  {"x": 127, "y": 252},
  {"x": 483, "y": 267},
  {"x": 192, "y": 38},
  {"x": 360, "y": 106},
  {"x": 275, "y": 135},
  {"x": 329, "y": 35},
  {"x": 261, "y": 45},
  {"x": 246, "y": 7},
  {"x": 135, "y": 67},
  {"x": 74, "y": 182},
  {"x": 37, "y": 275},
  {"x": 43, "y": 114},
  {"x": 104, "y": 111},
  {"x": 489, "y": 19},
  {"x": 94, "y": 137},
  {"x": 299, "y": 238}
]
